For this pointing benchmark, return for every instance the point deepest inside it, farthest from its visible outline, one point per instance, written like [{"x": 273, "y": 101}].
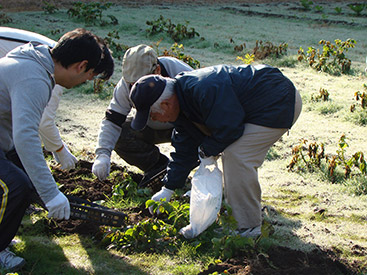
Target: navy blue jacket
[{"x": 216, "y": 102}]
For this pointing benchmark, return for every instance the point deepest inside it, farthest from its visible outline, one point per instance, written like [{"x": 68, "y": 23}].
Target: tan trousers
[{"x": 240, "y": 163}]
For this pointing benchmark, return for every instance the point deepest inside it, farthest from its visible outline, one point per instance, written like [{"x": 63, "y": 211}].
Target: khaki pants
[{"x": 240, "y": 163}]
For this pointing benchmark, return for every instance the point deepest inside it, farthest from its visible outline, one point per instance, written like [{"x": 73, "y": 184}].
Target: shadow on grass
[{"x": 55, "y": 252}]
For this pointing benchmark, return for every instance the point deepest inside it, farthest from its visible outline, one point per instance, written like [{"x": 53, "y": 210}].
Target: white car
[{"x": 11, "y": 38}]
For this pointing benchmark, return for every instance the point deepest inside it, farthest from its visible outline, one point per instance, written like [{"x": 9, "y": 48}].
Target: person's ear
[
  {"x": 165, "y": 105},
  {"x": 82, "y": 66},
  {"x": 168, "y": 104},
  {"x": 158, "y": 69}
]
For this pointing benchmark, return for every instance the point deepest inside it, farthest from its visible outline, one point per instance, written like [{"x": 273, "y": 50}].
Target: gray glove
[
  {"x": 101, "y": 167},
  {"x": 65, "y": 158},
  {"x": 59, "y": 207}
]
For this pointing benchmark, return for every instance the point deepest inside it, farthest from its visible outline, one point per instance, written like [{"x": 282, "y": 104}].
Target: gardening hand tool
[
  {"x": 65, "y": 158},
  {"x": 85, "y": 210},
  {"x": 153, "y": 180},
  {"x": 101, "y": 167},
  {"x": 59, "y": 207}
]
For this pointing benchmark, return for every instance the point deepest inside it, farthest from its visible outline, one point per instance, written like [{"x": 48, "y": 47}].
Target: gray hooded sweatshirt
[{"x": 26, "y": 82}]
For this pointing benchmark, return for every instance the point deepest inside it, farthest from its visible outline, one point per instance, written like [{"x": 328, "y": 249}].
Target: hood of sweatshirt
[
  {"x": 36, "y": 52},
  {"x": 26, "y": 82}
]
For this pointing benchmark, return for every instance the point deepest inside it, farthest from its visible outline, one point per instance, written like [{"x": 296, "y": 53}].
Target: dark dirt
[
  {"x": 92, "y": 190},
  {"x": 278, "y": 260},
  {"x": 79, "y": 183},
  {"x": 282, "y": 261}
]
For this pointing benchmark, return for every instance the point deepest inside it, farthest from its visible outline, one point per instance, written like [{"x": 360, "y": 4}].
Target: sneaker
[
  {"x": 9, "y": 261},
  {"x": 222, "y": 231},
  {"x": 253, "y": 232},
  {"x": 14, "y": 242}
]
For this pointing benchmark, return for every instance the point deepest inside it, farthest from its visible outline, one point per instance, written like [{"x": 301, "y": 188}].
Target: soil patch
[
  {"x": 281, "y": 261},
  {"x": 80, "y": 183}
]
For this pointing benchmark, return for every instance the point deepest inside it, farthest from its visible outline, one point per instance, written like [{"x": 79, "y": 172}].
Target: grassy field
[{"x": 292, "y": 199}]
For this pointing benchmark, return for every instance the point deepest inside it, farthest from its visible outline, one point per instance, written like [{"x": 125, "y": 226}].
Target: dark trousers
[
  {"x": 139, "y": 148},
  {"x": 16, "y": 191}
]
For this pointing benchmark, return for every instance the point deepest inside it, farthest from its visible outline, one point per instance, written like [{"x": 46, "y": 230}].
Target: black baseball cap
[{"x": 143, "y": 94}]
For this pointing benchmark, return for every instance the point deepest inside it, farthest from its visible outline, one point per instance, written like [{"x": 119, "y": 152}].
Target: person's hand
[
  {"x": 101, "y": 167},
  {"x": 165, "y": 193},
  {"x": 65, "y": 158},
  {"x": 59, "y": 207},
  {"x": 208, "y": 161}
]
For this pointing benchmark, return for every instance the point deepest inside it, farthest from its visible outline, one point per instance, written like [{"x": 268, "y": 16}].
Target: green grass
[{"x": 291, "y": 199}]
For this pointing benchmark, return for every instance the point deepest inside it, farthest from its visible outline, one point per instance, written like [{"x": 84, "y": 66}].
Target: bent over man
[
  {"x": 136, "y": 148},
  {"x": 27, "y": 76},
  {"x": 239, "y": 112},
  {"x": 11, "y": 38}
]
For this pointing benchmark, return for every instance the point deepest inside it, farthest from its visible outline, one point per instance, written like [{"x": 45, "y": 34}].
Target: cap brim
[{"x": 140, "y": 120}]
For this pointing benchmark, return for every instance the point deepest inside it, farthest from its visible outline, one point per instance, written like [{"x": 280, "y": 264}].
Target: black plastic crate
[{"x": 85, "y": 210}]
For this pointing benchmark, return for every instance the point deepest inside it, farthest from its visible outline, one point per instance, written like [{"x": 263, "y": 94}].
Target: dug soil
[{"x": 278, "y": 260}]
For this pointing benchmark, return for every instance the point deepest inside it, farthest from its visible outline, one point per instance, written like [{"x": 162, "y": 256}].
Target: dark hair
[{"x": 79, "y": 45}]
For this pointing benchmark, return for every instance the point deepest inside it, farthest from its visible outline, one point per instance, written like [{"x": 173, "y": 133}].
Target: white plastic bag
[{"x": 205, "y": 198}]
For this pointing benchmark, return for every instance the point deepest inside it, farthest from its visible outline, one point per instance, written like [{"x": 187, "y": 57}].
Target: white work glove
[
  {"x": 59, "y": 207},
  {"x": 65, "y": 158},
  {"x": 165, "y": 193},
  {"x": 101, "y": 167}
]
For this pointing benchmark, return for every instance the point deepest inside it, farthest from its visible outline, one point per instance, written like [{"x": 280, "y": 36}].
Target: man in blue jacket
[{"x": 238, "y": 112}]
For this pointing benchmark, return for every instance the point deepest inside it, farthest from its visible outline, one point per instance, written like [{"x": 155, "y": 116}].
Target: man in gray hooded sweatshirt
[{"x": 27, "y": 77}]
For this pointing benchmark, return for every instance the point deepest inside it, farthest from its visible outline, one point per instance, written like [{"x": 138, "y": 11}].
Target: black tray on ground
[{"x": 85, "y": 210}]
